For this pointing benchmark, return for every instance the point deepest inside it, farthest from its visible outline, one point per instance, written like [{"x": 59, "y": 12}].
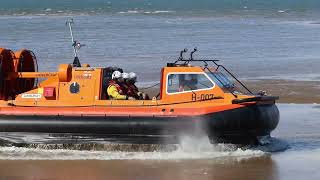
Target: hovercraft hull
[{"x": 235, "y": 125}]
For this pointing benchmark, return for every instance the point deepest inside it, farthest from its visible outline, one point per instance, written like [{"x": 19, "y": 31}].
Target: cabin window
[{"x": 188, "y": 82}]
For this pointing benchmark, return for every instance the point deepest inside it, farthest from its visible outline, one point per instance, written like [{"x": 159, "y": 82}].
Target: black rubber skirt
[{"x": 226, "y": 126}]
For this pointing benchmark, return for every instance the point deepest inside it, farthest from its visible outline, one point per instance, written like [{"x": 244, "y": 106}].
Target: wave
[
  {"x": 52, "y": 12},
  {"x": 186, "y": 150},
  {"x": 145, "y": 12},
  {"x": 18, "y": 153},
  {"x": 49, "y": 7}
]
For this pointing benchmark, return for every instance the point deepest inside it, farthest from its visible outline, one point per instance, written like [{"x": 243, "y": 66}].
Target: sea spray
[
  {"x": 203, "y": 144},
  {"x": 189, "y": 147},
  {"x": 21, "y": 153},
  {"x": 107, "y": 147}
]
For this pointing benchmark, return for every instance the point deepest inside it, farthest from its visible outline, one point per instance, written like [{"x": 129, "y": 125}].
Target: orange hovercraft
[{"x": 73, "y": 100}]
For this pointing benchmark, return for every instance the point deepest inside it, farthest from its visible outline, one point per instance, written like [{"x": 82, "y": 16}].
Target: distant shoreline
[{"x": 289, "y": 91}]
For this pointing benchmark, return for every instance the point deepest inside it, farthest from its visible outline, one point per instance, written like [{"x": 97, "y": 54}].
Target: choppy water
[{"x": 182, "y": 153}]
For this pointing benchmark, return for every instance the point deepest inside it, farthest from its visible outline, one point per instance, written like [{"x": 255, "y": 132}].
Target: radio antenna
[{"x": 76, "y": 45}]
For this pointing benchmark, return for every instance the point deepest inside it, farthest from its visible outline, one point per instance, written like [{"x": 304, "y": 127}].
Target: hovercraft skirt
[{"x": 253, "y": 120}]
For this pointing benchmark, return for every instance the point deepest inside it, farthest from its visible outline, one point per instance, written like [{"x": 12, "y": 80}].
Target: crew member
[
  {"x": 132, "y": 88},
  {"x": 114, "y": 89},
  {"x": 124, "y": 85},
  {"x": 187, "y": 82}
]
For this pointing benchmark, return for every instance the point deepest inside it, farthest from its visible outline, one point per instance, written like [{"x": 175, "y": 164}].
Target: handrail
[
  {"x": 196, "y": 60},
  {"x": 221, "y": 82},
  {"x": 233, "y": 77}
]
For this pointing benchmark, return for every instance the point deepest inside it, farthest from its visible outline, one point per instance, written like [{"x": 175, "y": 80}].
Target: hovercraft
[{"x": 192, "y": 98}]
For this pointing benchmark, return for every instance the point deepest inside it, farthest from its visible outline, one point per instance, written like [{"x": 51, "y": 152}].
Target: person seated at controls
[
  {"x": 115, "y": 91},
  {"x": 188, "y": 83},
  {"x": 133, "y": 89}
]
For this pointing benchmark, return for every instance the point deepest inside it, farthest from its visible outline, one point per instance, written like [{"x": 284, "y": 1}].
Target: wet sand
[
  {"x": 254, "y": 168},
  {"x": 289, "y": 91}
]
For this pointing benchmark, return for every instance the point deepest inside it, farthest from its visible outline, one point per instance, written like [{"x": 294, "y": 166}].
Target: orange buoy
[
  {"x": 25, "y": 61},
  {"x": 6, "y": 66}
]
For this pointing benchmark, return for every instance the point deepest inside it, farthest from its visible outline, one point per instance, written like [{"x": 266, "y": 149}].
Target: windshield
[{"x": 222, "y": 80}]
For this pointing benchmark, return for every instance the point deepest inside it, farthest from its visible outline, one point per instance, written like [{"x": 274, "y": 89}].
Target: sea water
[{"x": 267, "y": 39}]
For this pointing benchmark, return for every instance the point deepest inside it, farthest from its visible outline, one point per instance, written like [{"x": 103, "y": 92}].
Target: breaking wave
[{"x": 189, "y": 148}]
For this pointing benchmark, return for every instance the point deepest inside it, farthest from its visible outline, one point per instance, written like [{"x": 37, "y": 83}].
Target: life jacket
[
  {"x": 119, "y": 88},
  {"x": 132, "y": 91},
  {"x": 124, "y": 87}
]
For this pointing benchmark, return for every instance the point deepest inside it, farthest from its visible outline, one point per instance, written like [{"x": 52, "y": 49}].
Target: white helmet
[
  {"x": 125, "y": 75},
  {"x": 116, "y": 75},
  {"x": 133, "y": 76}
]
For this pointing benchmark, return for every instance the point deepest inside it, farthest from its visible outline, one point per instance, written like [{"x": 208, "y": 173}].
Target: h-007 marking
[{"x": 202, "y": 97}]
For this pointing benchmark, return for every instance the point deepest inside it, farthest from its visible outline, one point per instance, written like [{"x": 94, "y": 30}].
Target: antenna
[
  {"x": 191, "y": 54},
  {"x": 76, "y": 45}
]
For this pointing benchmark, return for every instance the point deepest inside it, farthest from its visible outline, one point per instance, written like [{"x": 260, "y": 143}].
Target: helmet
[
  {"x": 116, "y": 75},
  {"x": 125, "y": 75},
  {"x": 133, "y": 76}
]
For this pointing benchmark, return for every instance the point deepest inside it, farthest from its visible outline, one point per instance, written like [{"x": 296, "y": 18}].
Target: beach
[{"x": 289, "y": 91}]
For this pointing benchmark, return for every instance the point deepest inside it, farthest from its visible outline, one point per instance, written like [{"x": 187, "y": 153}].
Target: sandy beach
[
  {"x": 289, "y": 91},
  {"x": 139, "y": 169}
]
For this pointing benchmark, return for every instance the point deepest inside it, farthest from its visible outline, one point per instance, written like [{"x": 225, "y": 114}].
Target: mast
[{"x": 76, "y": 45}]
